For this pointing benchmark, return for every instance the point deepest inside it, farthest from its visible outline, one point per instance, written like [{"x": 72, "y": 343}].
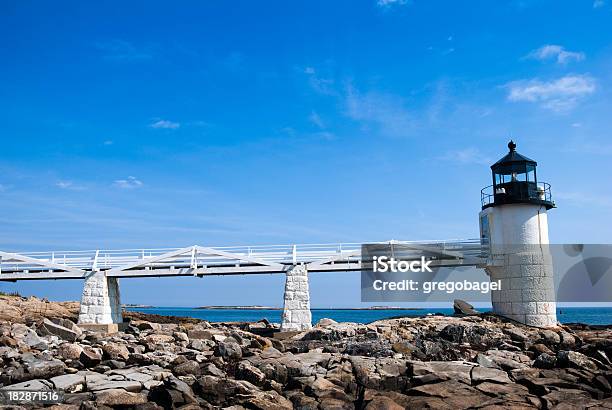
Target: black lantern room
[{"x": 515, "y": 182}]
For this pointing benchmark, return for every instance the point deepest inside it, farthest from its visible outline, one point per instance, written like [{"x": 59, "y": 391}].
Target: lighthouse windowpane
[{"x": 531, "y": 173}]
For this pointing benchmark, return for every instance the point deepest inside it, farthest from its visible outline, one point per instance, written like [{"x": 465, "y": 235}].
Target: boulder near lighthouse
[{"x": 514, "y": 223}]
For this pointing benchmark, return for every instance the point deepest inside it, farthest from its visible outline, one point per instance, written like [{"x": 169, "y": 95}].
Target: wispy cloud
[
  {"x": 581, "y": 146},
  {"x": 320, "y": 84},
  {"x": 391, "y": 3},
  {"x": 128, "y": 183},
  {"x": 557, "y": 95},
  {"x": 598, "y": 4},
  {"x": 555, "y": 52},
  {"x": 2, "y": 188},
  {"x": 64, "y": 184},
  {"x": 386, "y": 112},
  {"x": 120, "y": 50},
  {"x": 316, "y": 120},
  {"x": 585, "y": 199},
  {"x": 466, "y": 156},
  {"x": 107, "y": 142},
  {"x": 200, "y": 123},
  {"x": 69, "y": 185},
  {"x": 165, "y": 124}
]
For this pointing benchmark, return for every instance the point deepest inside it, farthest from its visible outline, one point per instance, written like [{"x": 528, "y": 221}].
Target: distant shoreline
[
  {"x": 255, "y": 307},
  {"x": 129, "y": 305}
]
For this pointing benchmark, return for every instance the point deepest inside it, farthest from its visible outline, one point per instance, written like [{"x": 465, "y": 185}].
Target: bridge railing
[{"x": 166, "y": 258}]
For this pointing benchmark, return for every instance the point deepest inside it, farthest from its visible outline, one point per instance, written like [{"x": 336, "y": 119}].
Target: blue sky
[{"x": 220, "y": 123}]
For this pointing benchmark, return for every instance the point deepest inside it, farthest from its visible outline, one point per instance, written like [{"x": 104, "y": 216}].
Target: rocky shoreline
[{"x": 432, "y": 362}]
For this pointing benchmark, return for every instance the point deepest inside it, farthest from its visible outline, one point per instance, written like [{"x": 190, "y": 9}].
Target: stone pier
[
  {"x": 101, "y": 303},
  {"x": 296, "y": 312}
]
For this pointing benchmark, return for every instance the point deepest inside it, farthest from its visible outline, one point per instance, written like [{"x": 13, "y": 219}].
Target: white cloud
[
  {"x": 598, "y": 4},
  {"x": 383, "y": 111},
  {"x": 468, "y": 155},
  {"x": 128, "y": 183},
  {"x": 69, "y": 185},
  {"x": 108, "y": 142},
  {"x": 555, "y": 52},
  {"x": 64, "y": 184},
  {"x": 165, "y": 124},
  {"x": 316, "y": 120},
  {"x": 557, "y": 95},
  {"x": 390, "y": 3}
]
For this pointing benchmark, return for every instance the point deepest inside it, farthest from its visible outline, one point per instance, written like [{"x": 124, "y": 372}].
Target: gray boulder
[
  {"x": 70, "y": 351},
  {"x": 545, "y": 361},
  {"x": 229, "y": 350},
  {"x": 461, "y": 307},
  {"x": 47, "y": 327},
  {"x": 90, "y": 357},
  {"x": 45, "y": 369},
  {"x": 24, "y": 335},
  {"x": 115, "y": 351},
  {"x": 576, "y": 360}
]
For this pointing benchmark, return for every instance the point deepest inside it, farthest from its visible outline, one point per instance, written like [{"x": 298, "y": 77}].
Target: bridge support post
[
  {"x": 520, "y": 260},
  {"x": 101, "y": 303},
  {"x": 296, "y": 311}
]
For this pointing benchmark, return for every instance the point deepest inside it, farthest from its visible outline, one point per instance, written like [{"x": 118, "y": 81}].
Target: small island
[{"x": 253, "y": 307}]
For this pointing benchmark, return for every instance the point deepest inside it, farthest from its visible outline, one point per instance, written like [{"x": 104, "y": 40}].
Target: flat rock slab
[
  {"x": 486, "y": 374},
  {"x": 119, "y": 397},
  {"x": 127, "y": 385},
  {"x": 445, "y": 370},
  {"x": 70, "y": 383},
  {"x": 33, "y": 385}
]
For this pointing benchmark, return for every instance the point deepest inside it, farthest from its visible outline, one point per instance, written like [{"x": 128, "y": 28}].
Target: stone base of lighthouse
[
  {"x": 520, "y": 259},
  {"x": 296, "y": 311},
  {"x": 101, "y": 303},
  {"x": 527, "y": 292}
]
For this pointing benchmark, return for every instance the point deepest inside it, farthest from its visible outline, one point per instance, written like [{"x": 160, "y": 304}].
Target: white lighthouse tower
[{"x": 514, "y": 223}]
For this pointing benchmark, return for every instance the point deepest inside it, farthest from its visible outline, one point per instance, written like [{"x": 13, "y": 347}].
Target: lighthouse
[{"x": 514, "y": 229}]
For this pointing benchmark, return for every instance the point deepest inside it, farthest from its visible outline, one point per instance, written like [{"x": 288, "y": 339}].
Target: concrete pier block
[
  {"x": 101, "y": 301},
  {"x": 296, "y": 311}
]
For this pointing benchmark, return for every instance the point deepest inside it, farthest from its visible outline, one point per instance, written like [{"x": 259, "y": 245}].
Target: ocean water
[{"x": 592, "y": 316}]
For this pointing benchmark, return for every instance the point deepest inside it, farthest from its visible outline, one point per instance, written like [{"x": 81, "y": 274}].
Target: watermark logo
[
  {"x": 411, "y": 272},
  {"x": 390, "y": 264}
]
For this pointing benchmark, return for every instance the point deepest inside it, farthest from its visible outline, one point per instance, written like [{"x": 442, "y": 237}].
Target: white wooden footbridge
[
  {"x": 101, "y": 307},
  {"x": 201, "y": 260}
]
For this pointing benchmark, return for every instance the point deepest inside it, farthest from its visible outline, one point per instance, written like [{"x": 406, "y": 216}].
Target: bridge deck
[{"x": 199, "y": 261}]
